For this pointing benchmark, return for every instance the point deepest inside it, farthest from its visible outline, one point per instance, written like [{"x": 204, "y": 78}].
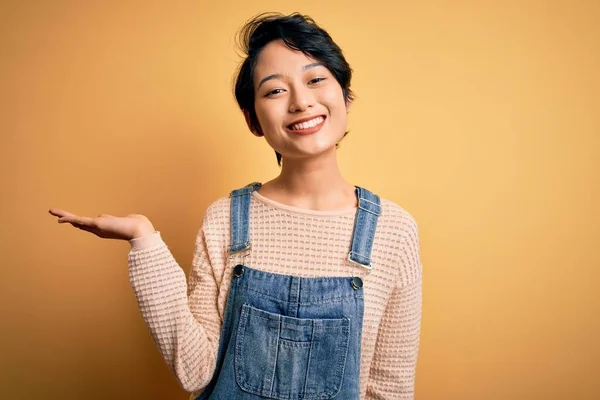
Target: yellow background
[{"x": 481, "y": 118}]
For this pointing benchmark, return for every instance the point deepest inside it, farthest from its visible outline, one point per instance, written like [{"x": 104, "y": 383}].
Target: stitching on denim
[
  {"x": 339, "y": 322},
  {"x": 293, "y": 343},
  {"x": 320, "y": 301},
  {"x": 358, "y": 254},
  {"x": 378, "y": 206},
  {"x": 342, "y": 360}
]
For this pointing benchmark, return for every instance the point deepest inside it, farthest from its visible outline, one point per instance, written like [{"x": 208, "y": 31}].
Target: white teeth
[{"x": 308, "y": 124}]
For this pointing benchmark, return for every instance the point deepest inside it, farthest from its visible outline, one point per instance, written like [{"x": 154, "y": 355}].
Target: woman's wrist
[{"x": 143, "y": 231}]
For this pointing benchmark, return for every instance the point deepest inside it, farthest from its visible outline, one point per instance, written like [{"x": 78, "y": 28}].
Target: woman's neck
[{"x": 315, "y": 184}]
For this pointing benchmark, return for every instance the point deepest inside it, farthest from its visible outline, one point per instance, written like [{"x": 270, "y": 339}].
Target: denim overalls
[{"x": 286, "y": 337}]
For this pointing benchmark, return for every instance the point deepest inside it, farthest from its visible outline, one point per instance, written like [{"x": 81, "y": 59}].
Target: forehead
[{"x": 277, "y": 58}]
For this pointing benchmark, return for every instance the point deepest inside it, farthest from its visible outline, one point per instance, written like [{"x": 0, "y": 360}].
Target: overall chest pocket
[{"x": 286, "y": 358}]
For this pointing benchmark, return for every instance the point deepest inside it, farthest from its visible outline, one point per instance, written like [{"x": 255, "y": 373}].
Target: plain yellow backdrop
[{"x": 481, "y": 118}]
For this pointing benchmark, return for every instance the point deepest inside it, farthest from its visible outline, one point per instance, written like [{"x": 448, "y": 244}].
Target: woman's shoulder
[
  {"x": 219, "y": 208},
  {"x": 396, "y": 219}
]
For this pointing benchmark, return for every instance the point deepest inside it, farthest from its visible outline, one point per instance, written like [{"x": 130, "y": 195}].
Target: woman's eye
[
  {"x": 274, "y": 91},
  {"x": 316, "y": 80}
]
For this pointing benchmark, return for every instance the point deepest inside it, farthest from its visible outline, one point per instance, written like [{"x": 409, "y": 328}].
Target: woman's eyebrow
[{"x": 276, "y": 76}]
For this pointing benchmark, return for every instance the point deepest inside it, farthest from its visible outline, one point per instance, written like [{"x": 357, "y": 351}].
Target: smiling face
[{"x": 299, "y": 104}]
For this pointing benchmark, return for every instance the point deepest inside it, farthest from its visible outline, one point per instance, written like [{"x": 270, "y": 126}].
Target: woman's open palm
[{"x": 107, "y": 226}]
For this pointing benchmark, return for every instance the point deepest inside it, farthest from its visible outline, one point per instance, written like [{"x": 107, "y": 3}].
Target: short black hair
[{"x": 298, "y": 32}]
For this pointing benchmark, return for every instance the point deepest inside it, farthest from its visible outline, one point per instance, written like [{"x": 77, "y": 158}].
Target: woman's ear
[
  {"x": 348, "y": 106},
  {"x": 249, "y": 123}
]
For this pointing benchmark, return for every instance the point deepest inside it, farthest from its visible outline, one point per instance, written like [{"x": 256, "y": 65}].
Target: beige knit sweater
[{"x": 185, "y": 316}]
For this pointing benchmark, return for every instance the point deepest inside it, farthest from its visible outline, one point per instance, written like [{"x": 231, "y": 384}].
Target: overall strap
[
  {"x": 365, "y": 223},
  {"x": 240, "y": 217}
]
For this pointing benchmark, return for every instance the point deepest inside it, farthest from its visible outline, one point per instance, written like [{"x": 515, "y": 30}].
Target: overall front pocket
[{"x": 287, "y": 358}]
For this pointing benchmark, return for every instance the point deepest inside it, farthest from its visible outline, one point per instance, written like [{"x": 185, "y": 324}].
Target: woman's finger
[
  {"x": 67, "y": 218},
  {"x": 58, "y": 212},
  {"x": 86, "y": 221},
  {"x": 75, "y": 219}
]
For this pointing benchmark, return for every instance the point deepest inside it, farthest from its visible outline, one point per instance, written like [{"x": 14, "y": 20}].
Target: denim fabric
[
  {"x": 286, "y": 337},
  {"x": 240, "y": 217},
  {"x": 365, "y": 222}
]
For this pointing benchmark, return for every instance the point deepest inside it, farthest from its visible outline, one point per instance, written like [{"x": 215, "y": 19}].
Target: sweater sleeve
[
  {"x": 392, "y": 373},
  {"x": 182, "y": 316}
]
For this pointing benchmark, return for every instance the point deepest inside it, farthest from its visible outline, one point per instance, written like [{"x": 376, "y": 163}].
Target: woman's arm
[
  {"x": 392, "y": 373},
  {"x": 183, "y": 319},
  {"x": 393, "y": 368}
]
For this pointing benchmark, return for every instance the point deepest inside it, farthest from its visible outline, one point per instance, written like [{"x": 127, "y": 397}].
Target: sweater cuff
[{"x": 146, "y": 241}]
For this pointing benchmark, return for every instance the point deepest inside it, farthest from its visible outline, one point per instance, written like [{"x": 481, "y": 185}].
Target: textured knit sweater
[{"x": 184, "y": 316}]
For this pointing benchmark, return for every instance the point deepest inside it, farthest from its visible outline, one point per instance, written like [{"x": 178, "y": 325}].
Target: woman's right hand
[{"x": 108, "y": 226}]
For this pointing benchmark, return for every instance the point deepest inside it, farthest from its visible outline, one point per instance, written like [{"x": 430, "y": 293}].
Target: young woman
[{"x": 304, "y": 287}]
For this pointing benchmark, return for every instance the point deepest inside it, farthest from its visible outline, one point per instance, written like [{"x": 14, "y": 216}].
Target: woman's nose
[{"x": 301, "y": 99}]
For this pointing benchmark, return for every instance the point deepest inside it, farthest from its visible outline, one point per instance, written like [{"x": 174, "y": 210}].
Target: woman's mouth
[{"x": 307, "y": 127}]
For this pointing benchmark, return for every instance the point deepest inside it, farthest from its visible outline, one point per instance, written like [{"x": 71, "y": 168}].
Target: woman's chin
[{"x": 306, "y": 154}]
